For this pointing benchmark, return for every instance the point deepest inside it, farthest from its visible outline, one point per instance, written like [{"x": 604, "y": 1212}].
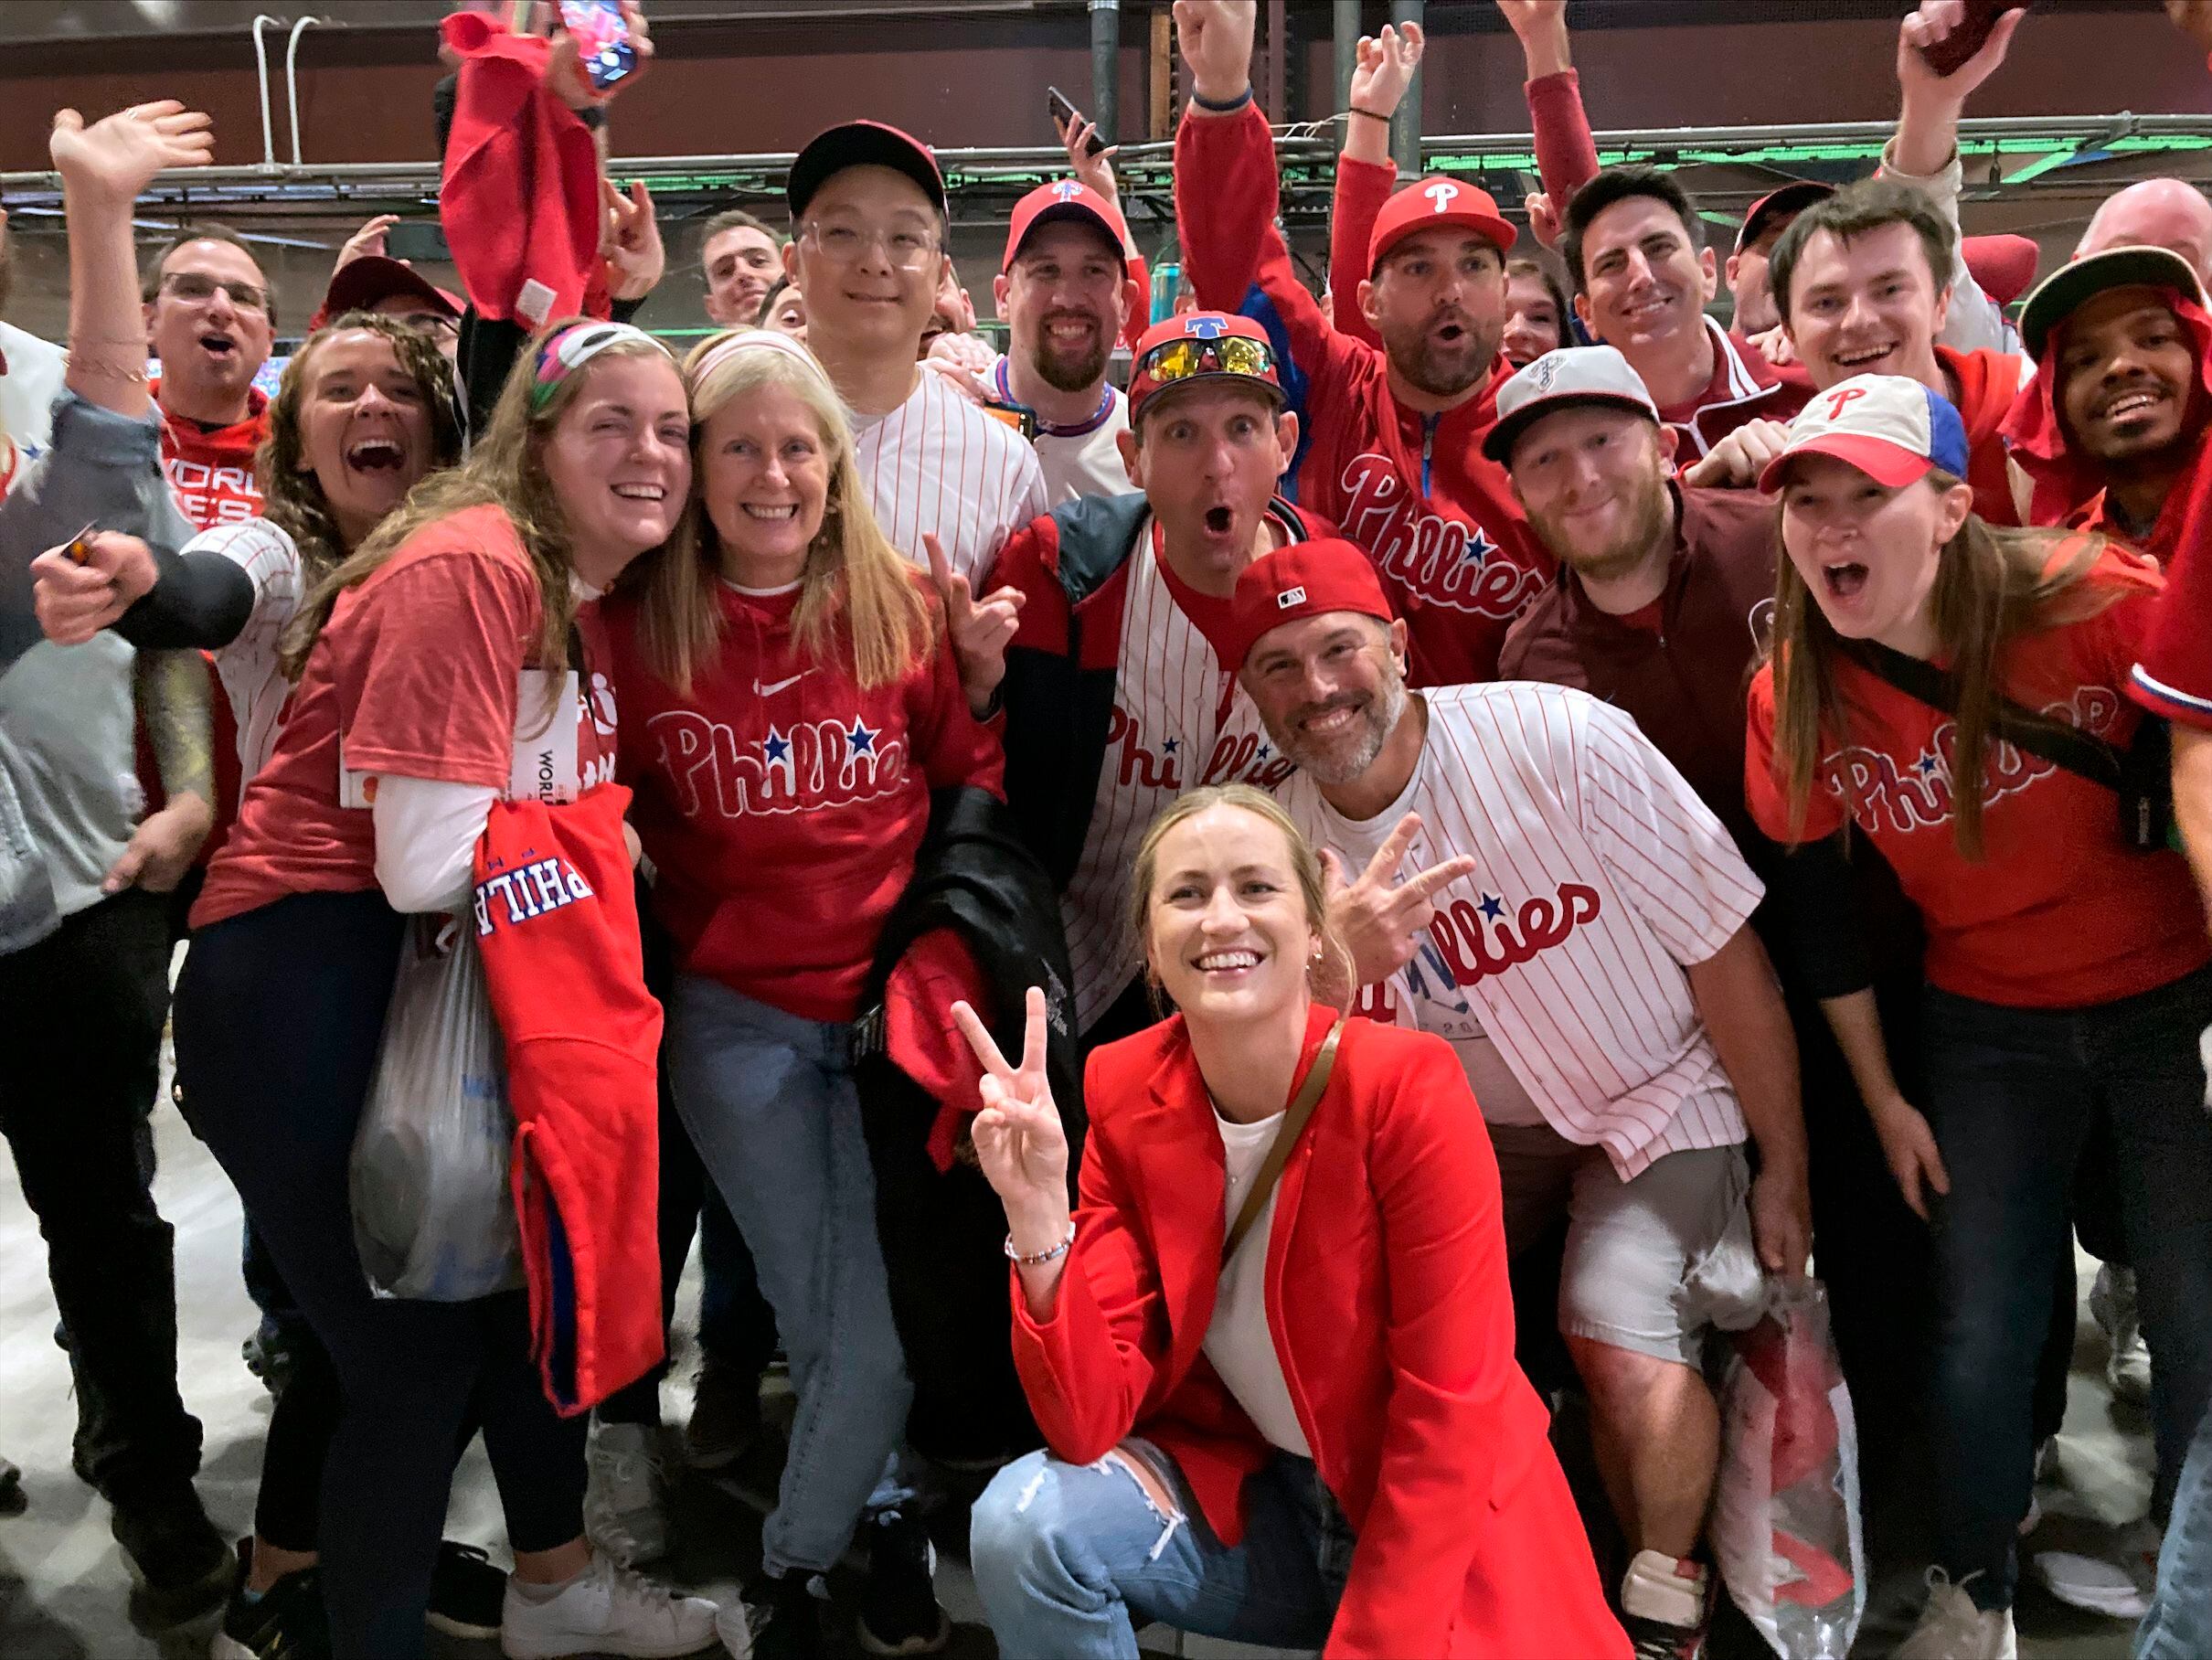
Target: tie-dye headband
[{"x": 563, "y": 354}]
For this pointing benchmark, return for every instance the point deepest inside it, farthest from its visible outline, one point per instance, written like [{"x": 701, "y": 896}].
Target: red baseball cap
[
  {"x": 2004, "y": 265},
  {"x": 1064, "y": 200},
  {"x": 1151, "y": 366},
  {"x": 1791, "y": 199},
  {"x": 862, "y": 143},
  {"x": 1433, "y": 201},
  {"x": 361, "y": 283},
  {"x": 1301, "y": 580}
]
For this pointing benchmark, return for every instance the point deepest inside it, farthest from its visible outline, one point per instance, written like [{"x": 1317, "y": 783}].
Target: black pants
[
  {"x": 81, "y": 1022},
  {"x": 278, "y": 1018}
]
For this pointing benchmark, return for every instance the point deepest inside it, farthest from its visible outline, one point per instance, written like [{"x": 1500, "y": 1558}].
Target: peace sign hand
[
  {"x": 1379, "y": 918},
  {"x": 980, "y": 630},
  {"x": 1018, "y": 1138}
]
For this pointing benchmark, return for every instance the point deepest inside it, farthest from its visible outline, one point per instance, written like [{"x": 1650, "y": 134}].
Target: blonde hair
[
  {"x": 506, "y": 469},
  {"x": 1994, "y": 583},
  {"x": 854, "y": 581},
  {"x": 1305, "y": 865}
]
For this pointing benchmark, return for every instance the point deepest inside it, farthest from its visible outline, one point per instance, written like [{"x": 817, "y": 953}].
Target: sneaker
[
  {"x": 622, "y": 1497},
  {"x": 724, "y": 1416},
  {"x": 1951, "y": 1628},
  {"x": 605, "y": 1609},
  {"x": 1665, "y": 1606},
  {"x": 2113, "y": 1307},
  {"x": 2118, "y": 1585},
  {"x": 468, "y": 1593},
  {"x": 784, "y": 1624},
  {"x": 899, "y": 1611},
  {"x": 180, "y": 1566},
  {"x": 284, "y": 1622}
]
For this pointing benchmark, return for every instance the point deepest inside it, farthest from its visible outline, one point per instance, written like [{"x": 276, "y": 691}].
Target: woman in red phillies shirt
[
  {"x": 427, "y": 663},
  {"x": 2067, "y": 971},
  {"x": 791, "y": 699}
]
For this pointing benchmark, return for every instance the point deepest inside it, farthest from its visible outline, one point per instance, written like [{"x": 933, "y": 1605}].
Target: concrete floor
[{"x": 63, "y": 1585}]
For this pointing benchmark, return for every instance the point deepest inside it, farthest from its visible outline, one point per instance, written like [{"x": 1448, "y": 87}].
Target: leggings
[{"x": 278, "y": 1013}]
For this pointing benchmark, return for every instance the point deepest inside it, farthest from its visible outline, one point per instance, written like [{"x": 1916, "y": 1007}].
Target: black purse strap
[{"x": 2078, "y": 752}]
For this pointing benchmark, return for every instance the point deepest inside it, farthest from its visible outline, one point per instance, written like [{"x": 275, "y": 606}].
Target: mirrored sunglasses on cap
[{"x": 1173, "y": 360}]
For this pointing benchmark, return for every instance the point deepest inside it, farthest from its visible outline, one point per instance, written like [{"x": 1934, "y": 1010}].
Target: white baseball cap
[
  {"x": 1557, "y": 381},
  {"x": 1891, "y": 429}
]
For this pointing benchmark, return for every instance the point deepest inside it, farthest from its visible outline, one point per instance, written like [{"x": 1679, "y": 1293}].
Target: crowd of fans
[{"x": 1410, "y": 862}]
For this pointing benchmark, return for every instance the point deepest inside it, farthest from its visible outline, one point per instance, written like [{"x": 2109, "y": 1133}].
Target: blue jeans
[
  {"x": 1071, "y": 1560},
  {"x": 769, "y": 1100},
  {"x": 2013, "y": 1095},
  {"x": 2179, "y": 1626}
]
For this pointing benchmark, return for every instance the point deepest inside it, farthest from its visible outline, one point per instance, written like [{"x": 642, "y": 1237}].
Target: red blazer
[{"x": 1397, "y": 1343}]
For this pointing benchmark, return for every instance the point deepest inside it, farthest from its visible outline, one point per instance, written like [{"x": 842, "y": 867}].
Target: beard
[
  {"x": 1342, "y": 759},
  {"x": 1073, "y": 370},
  {"x": 1437, "y": 369},
  {"x": 1646, "y": 519}
]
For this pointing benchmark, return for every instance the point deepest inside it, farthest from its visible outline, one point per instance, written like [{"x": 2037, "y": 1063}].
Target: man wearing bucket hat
[
  {"x": 1394, "y": 450},
  {"x": 1630, "y": 1122}
]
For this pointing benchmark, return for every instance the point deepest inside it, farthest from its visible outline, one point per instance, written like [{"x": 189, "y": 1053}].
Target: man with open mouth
[{"x": 210, "y": 320}]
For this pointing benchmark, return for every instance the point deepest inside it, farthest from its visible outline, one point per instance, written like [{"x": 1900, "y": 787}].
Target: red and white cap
[
  {"x": 1893, "y": 429},
  {"x": 1063, "y": 198},
  {"x": 1301, "y": 580},
  {"x": 1571, "y": 375},
  {"x": 1428, "y": 203}
]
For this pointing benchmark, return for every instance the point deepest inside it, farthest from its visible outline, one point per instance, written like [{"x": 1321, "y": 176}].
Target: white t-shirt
[
  {"x": 1078, "y": 465},
  {"x": 1599, "y": 876},
  {"x": 938, "y": 464},
  {"x": 1237, "y": 1341}
]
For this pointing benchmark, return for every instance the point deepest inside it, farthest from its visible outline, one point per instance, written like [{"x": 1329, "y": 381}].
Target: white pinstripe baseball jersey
[
  {"x": 1600, "y": 875},
  {"x": 938, "y": 463},
  {"x": 1180, "y": 720},
  {"x": 248, "y": 665}
]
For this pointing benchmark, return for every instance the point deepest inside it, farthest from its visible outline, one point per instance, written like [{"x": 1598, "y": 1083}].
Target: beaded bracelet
[{"x": 1042, "y": 1257}]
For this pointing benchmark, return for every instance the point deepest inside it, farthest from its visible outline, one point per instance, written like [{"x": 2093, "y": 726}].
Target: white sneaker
[
  {"x": 2113, "y": 1307},
  {"x": 606, "y": 1609},
  {"x": 624, "y": 1515},
  {"x": 1951, "y": 1628},
  {"x": 2118, "y": 1585}
]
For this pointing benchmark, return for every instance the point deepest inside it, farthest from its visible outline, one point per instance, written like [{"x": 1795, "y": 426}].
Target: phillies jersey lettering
[
  {"x": 1446, "y": 561},
  {"x": 1469, "y": 955},
  {"x": 810, "y": 765},
  {"x": 1879, "y": 790},
  {"x": 540, "y": 885},
  {"x": 1237, "y": 756}
]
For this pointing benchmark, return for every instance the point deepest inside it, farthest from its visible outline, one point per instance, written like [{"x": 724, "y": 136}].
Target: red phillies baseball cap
[
  {"x": 862, "y": 143},
  {"x": 1200, "y": 346},
  {"x": 1301, "y": 580},
  {"x": 1064, "y": 200},
  {"x": 371, "y": 280},
  {"x": 1431, "y": 202}
]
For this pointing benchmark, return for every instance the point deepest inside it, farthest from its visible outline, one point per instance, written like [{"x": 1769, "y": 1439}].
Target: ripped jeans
[{"x": 1071, "y": 1560}]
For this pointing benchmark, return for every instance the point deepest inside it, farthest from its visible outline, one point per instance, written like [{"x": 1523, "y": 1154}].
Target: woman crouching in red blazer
[{"x": 1324, "y": 1439}]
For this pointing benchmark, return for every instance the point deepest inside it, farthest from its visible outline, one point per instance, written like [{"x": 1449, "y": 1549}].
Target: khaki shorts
[{"x": 1653, "y": 1264}]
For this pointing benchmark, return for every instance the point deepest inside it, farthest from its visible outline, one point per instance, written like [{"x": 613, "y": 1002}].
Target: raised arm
[{"x": 1365, "y": 172}]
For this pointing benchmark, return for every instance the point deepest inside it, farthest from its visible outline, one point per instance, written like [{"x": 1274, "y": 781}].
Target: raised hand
[
  {"x": 368, "y": 242},
  {"x": 980, "y": 630},
  {"x": 1379, "y": 918},
  {"x": 116, "y": 158},
  {"x": 1216, "y": 37},
  {"x": 571, "y": 82},
  {"x": 1093, "y": 172},
  {"x": 1540, "y": 25},
  {"x": 2193, "y": 19},
  {"x": 76, "y": 597},
  {"x": 1384, "y": 67},
  {"x": 1019, "y": 1141},
  {"x": 1543, "y": 219},
  {"x": 1932, "y": 24},
  {"x": 633, "y": 250}
]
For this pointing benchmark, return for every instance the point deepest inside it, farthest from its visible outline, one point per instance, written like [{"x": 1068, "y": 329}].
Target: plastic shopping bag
[
  {"x": 433, "y": 1217},
  {"x": 1786, "y": 1507}
]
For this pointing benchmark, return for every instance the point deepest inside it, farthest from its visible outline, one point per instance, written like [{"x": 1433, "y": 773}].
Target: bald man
[{"x": 2156, "y": 212}]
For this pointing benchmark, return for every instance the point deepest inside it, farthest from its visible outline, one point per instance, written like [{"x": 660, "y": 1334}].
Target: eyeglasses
[
  {"x": 196, "y": 288},
  {"x": 844, "y": 244},
  {"x": 1175, "y": 360}
]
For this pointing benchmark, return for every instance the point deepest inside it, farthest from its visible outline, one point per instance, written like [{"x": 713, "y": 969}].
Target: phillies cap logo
[
  {"x": 1840, "y": 399},
  {"x": 1289, "y": 597},
  {"x": 1206, "y": 328},
  {"x": 1067, "y": 191},
  {"x": 1443, "y": 195}
]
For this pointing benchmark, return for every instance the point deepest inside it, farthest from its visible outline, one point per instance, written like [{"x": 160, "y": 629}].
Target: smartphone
[
  {"x": 1019, "y": 416},
  {"x": 1065, "y": 114},
  {"x": 415, "y": 239},
  {"x": 1945, "y": 57},
  {"x": 603, "y": 39}
]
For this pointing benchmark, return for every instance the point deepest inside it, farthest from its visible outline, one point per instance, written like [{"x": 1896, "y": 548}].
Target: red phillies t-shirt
[
  {"x": 2060, "y": 912},
  {"x": 417, "y": 675}
]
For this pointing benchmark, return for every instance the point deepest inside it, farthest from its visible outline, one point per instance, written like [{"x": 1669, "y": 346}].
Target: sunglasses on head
[{"x": 1175, "y": 360}]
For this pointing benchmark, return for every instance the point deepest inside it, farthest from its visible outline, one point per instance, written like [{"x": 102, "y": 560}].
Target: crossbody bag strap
[
  {"x": 2079, "y": 752},
  {"x": 1279, "y": 1150}
]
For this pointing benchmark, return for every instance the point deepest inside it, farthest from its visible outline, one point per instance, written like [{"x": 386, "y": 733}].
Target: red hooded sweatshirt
[
  {"x": 1455, "y": 552},
  {"x": 1988, "y": 382},
  {"x": 2069, "y": 484},
  {"x": 557, "y": 923},
  {"x": 782, "y": 803}
]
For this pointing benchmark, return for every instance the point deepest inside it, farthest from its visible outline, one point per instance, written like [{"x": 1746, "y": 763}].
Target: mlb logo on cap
[
  {"x": 1893, "y": 429},
  {"x": 1289, "y": 597}
]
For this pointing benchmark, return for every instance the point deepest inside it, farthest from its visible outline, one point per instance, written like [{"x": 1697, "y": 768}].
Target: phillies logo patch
[
  {"x": 525, "y": 892},
  {"x": 1067, "y": 191},
  {"x": 1478, "y": 941},
  {"x": 1443, "y": 195},
  {"x": 1882, "y": 792},
  {"x": 814, "y": 763},
  {"x": 1445, "y": 562}
]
